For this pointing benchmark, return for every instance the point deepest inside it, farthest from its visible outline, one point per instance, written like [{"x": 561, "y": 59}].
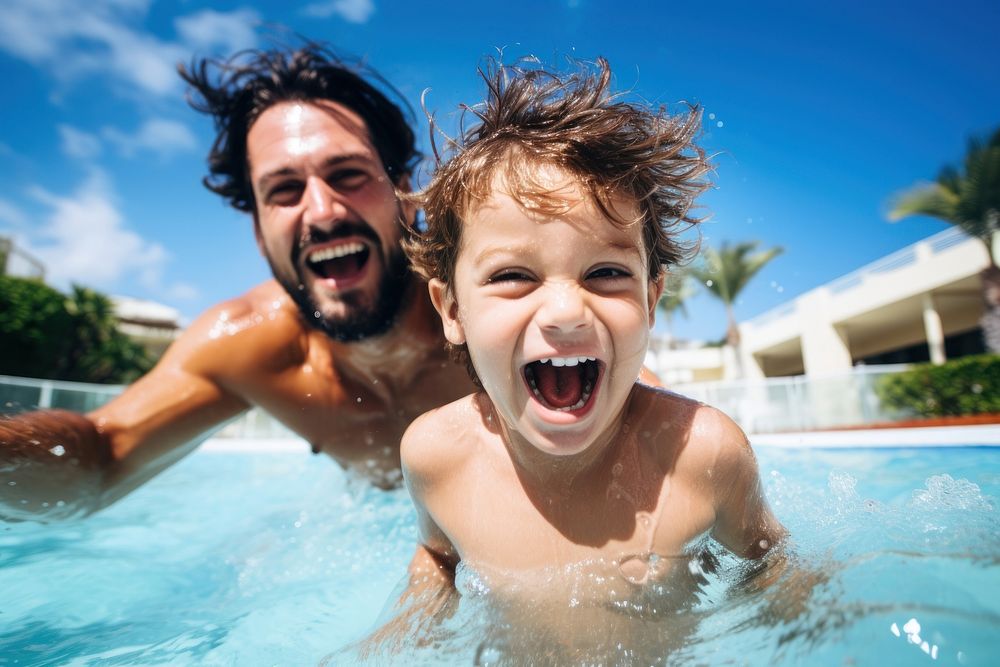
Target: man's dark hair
[{"x": 235, "y": 92}]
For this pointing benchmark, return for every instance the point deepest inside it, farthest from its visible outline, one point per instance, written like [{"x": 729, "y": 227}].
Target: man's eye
[
  {"x": 285, "y": 194},
  {"x": 349, "y": 178},
  {"x": 608, "y": 272}
]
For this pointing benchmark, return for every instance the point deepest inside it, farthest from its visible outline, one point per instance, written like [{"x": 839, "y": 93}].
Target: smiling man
[{"x": 342, "y": 346}]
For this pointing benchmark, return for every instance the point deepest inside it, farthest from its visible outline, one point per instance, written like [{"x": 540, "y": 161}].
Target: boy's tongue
[{"x": 560, "y": 386}]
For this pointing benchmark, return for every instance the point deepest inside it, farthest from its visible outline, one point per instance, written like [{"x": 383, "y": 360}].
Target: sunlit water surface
[{"x": 266, "y": 559}]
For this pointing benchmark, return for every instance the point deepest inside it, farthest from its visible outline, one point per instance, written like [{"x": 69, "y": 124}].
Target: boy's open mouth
[
  {"x": 563, "y": 383},
  {"x": 340, "y": 262}
]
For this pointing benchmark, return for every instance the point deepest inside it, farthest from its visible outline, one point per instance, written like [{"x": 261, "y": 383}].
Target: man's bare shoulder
[
  {"x": 258, "y": 327},
  {"x": 438, "y": 440}
]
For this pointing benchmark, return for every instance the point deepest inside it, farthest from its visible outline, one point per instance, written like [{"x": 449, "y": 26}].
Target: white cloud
[
  {"x": 11, "y": 215},
  {"x": 353, "y": 11},
  {"x": 208, "y": 29},
  {"x": 86, "y": 239},
  {"x": 72, "y": 39},
  {"x": 158, "y": 135},
  {"x": 79, "y": 144}
]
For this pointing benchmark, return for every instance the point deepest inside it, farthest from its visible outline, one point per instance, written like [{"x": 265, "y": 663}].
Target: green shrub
[
  {"x": 35, "y": 328},
  {"x": 47, "y": 334},
  {"x": 966, "y": 386}
]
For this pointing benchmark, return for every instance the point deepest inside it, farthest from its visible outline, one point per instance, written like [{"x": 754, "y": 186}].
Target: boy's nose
[
  {"x": 322, "y": 204},
  {"x": 564, "y": 310}
]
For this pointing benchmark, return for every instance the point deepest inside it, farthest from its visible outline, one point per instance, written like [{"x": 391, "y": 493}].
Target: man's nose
[
  {"x": 323, "y": 206},
  {"x": 564, "y": 309}
]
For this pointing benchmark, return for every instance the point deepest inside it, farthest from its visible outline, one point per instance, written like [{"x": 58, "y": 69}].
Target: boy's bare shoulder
[
  {"x": 704, "y": 436},
  {"x": 439, "y": 439}
]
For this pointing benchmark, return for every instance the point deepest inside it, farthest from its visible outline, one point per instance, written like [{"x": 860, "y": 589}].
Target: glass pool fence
[{"x": 770, "y": 405}]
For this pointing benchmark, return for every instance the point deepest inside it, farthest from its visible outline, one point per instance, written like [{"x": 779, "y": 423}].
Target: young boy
[{"x": 548, "y": 232}]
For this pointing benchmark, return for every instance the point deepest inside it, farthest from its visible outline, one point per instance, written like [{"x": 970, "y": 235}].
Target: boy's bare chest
[{"x": 509, "y": 530}]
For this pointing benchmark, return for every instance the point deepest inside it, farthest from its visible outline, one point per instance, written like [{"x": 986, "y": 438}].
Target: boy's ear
[
  {"x": 655, "y": 292},
  {"x": 444, "y": 302}
]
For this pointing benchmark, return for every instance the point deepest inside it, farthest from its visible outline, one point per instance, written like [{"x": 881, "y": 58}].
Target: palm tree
[
  {"x": 676, "y": 291},
  {"x": 726, "y": 271},
  {"x": 968, "y": 198}
]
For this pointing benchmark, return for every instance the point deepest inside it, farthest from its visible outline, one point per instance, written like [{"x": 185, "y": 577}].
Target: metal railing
[{"x": 893, "y": 262}]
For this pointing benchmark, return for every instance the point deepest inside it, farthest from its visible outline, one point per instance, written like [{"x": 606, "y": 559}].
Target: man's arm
[{"x": 56, "y": 464}]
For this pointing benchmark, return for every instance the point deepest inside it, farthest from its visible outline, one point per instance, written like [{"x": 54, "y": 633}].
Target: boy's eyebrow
[{"x": 516, "y": 249}]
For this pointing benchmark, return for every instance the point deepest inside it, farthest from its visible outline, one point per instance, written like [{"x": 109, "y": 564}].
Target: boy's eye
[
  {"x": 608, "y": 272},
  {"x": 508, "y": 276}
]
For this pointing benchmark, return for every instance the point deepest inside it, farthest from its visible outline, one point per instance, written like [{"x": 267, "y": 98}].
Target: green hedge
[
  {"x": 966, "y": 386},
  {"x": 47, "y": 334}
]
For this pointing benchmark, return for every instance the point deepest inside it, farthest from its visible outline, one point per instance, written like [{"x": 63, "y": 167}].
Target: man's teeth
[
  {"x": 336, "y": 252},
  {"x": 566, "y": 361}
]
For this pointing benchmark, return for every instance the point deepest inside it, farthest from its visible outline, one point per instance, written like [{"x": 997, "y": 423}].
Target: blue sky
[{"x": 817, "y": 112}]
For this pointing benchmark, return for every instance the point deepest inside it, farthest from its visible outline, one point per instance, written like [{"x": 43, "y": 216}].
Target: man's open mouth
[
  {"x": 340, "y": 262},
  {"x": 563, "y": 383}
]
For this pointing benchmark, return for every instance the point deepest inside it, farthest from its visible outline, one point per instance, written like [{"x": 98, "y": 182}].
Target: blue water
[{"x": 265, "y": 559}]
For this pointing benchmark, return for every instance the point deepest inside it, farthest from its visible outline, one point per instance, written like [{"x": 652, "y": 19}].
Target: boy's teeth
[
  {"x": 336, "y": 252},
  {"x": 566, "y": 361}
]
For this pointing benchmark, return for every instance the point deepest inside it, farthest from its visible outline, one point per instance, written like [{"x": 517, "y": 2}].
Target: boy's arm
[
  {"x": 430, "y": 594},
  {"x": 57, "y": 464},
  {"x": 744, "y": 523}
]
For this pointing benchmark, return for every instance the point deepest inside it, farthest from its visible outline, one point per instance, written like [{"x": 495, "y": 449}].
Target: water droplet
[
  {"x": 317, "y": 314},
  {"x": 719, "y": 124},
  {"x": 11, "y": 483},
  {"x": 58, "y": 450},
  {"x": 359, "y": 399},
  {"x": 709, "y": 283}
]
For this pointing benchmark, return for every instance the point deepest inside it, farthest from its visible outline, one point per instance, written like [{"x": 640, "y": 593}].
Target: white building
[
  {"x": 153, "y": 325},
  {"x": 921, "y": 303}
]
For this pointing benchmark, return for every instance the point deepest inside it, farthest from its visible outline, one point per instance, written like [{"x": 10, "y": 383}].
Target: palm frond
[{"x": 931, "y": 199}]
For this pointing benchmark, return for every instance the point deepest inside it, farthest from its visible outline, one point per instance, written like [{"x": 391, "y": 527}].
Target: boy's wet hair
[
  {"x": 236, "y": 91},
  {"x": 533, "y": 117}
]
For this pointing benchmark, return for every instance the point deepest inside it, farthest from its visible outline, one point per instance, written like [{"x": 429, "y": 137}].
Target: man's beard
[{"x": 363, "y": 318}]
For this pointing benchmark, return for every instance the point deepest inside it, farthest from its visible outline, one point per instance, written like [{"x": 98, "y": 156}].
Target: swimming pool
[{"x": 264, "y": 558}]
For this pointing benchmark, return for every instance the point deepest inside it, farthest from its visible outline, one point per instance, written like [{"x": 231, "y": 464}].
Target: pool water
[{"x": 280, "y": 559}]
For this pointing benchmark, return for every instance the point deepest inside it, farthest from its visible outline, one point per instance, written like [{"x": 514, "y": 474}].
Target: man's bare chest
[{"x": 357, "y": 422}]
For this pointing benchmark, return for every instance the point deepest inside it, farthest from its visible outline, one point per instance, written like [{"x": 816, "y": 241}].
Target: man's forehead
[{"x": 303, "y": 129}]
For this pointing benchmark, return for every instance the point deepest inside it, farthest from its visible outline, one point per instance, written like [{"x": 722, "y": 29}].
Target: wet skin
[
  {"x": 513, "y": 484},
  {"x": 314, "y": 174}
]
